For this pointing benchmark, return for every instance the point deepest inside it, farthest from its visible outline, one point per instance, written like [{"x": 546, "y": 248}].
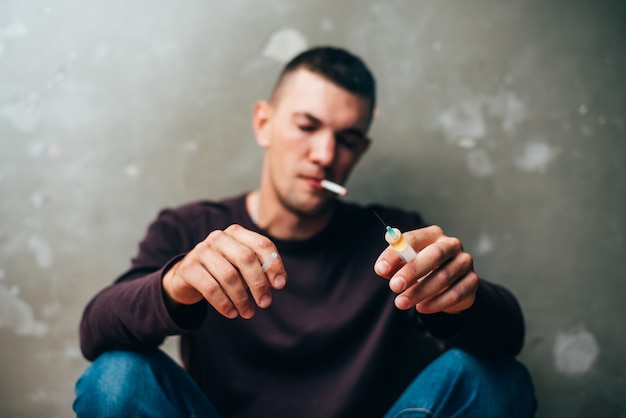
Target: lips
[{"x": 316, "y": 182}]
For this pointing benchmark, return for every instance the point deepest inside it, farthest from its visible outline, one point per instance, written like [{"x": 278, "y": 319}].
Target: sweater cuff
[{"x": 445, "y": 326}]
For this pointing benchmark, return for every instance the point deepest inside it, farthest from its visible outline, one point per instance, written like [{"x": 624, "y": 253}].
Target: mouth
[{"x": 315, "y": 182}]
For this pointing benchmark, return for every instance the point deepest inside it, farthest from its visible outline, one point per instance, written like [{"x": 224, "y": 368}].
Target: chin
[
  {"x": 311, "y": 208},
  {"x": 322, "y": 207}
]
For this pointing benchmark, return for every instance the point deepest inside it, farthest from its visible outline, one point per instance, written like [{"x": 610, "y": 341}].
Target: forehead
[{"x": 304, "y": 91}]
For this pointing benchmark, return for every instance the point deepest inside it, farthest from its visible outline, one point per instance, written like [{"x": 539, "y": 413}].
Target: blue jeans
[{"x": 129, "y": 384}]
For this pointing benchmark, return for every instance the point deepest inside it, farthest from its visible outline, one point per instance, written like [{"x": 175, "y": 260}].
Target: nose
[{"x": 323, "y": 148}]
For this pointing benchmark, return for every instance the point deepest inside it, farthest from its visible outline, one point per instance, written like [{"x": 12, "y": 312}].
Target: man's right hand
[{"x": 225, "y": 269}]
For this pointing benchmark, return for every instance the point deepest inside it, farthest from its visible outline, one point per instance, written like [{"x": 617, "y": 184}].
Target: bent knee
[
  {"x": 506, "y": 380},
  {"x": 111, "y": 383},
  {"x": 489, "y": 368}
]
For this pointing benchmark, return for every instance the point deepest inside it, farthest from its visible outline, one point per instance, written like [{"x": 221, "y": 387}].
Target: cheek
[
  {"x": 288, "y": 142},
  {"x": 345, "y": 162},
  {"x": 287, "y": 133},
  {"x": 283, "y": 156}
]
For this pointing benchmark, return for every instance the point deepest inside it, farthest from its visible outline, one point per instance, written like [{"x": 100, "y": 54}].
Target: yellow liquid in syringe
[{"x": 395, "y": 238}]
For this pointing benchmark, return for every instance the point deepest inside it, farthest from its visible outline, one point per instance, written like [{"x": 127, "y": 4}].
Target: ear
[{"x": 261, "y": 114}]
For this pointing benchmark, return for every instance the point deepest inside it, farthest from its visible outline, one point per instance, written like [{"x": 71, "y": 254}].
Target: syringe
[{"x": 395, "y": 238}]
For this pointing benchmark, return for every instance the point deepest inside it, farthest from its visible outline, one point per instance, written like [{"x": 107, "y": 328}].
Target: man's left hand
[{"x": 440, "y": 278}]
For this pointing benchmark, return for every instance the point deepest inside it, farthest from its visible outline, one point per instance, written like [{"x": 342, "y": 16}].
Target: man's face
[{"x": 312, "y": 130}]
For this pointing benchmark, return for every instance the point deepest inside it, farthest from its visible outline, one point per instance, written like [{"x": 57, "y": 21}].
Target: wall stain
[
  {"x": 17, "y": 314},
  {"x": 575, "y": 352}
]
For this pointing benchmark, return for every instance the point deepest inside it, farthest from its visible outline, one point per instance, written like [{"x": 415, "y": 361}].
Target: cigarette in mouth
[{"x": 334, "y": 187}]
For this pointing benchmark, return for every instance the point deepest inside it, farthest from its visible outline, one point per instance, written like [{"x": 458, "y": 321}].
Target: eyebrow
[{"x": 349, "y": 131}]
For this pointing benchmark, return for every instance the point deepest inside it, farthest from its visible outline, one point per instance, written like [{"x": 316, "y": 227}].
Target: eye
[
  {"x": 351, "y": 142},
  {"x": 307, "y": 128}
]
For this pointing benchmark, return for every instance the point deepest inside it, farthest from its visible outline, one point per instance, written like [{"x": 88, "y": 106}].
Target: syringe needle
[
  {"x": 389, "y": 229},
  {"x": 381, "y": 219},
  {"x": 395, "y": 238}
]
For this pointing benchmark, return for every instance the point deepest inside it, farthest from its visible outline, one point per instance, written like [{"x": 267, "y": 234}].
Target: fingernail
[
  {"x": 402, "y": 302},
  {"x": 381, "y": 267},
  {"x": 279, "y": 281},
  {"x": 232, "y": 314},
  {"x": 397, "y": 284},
  {"x": 266, "y": 300}
]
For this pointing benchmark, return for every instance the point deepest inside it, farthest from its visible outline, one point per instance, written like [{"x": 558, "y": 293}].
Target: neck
[{"x": 283, "y": 223}]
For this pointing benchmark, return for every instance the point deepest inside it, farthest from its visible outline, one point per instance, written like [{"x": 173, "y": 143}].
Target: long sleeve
[
  {"x": 131, "y": 314},
  {"x": 493, "y": 326}
]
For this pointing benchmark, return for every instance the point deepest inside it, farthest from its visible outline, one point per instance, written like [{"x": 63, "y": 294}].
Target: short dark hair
[{"x": 337, "y": 65}]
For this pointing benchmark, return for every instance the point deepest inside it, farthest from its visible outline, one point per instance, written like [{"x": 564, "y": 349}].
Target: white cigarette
[
  {"x": 334, "y": 187},
  {"x": 268, "y": 262}
]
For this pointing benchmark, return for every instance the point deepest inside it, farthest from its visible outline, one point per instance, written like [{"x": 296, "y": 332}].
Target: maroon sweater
[{"x": 332, "y": 344}]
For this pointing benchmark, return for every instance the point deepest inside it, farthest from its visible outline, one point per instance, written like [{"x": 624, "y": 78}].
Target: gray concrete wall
[{"x": 502, "y": 121}]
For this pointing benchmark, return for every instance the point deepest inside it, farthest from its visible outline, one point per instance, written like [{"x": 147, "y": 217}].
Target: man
[{"x": 328, "y": 328}]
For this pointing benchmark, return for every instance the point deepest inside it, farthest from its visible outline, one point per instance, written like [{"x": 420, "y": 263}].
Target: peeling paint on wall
[
  {"x": 465, "y": 122},
  {"x": 15, "y": 30},
  {"x": 327, "y": 24},
  {"x": 41, "y": 250},
  {"x": 508, "y": 107},
  {"x": 284, "y": 44},
  {"x": 132, "y": 171},
  {"x": 37, "y": 199},
  {"x": 36, "y": 148},
  {"x": 72, "y": 351},
  {"x": 484, "y": 244},
  {"x": 536, "y": 157},
  {"x": 575, "y": 352},
  {"x": 100, "y": 54},
  {"x": 190, "y": 147},
  {"x": 17, "y": 314},
  {"x": 478, "y": 163},
  {"x": 23, "y": 115}
]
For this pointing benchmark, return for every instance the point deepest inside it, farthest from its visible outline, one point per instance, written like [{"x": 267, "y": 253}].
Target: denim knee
[
  {"x": 496, "y": 371},
  {"x": 458, "y": 384},
  {"x": 139, "y": 384},
  {"x": 112, "y": 384},
  {"x": 503, "y": 384}
]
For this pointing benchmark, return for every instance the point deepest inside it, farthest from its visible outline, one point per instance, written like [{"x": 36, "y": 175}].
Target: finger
[
  {"x": 389, "y": 262},
  {"x": 435, "y": 282},
  {"x": 458, "y": 297},
  {"x": 422, "y": 237},
  {"x": 177, "y": 288},
  {"x": 217, "y": 297},
  {"x": 244, "y": 249},
  {"x": 264, "y": 249},
  {"x": 444, "y": 276},
  {"x": 427, "y": 260},
  {"x": 195, "y": 276},
  {"x": 227, "y": 279}
]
